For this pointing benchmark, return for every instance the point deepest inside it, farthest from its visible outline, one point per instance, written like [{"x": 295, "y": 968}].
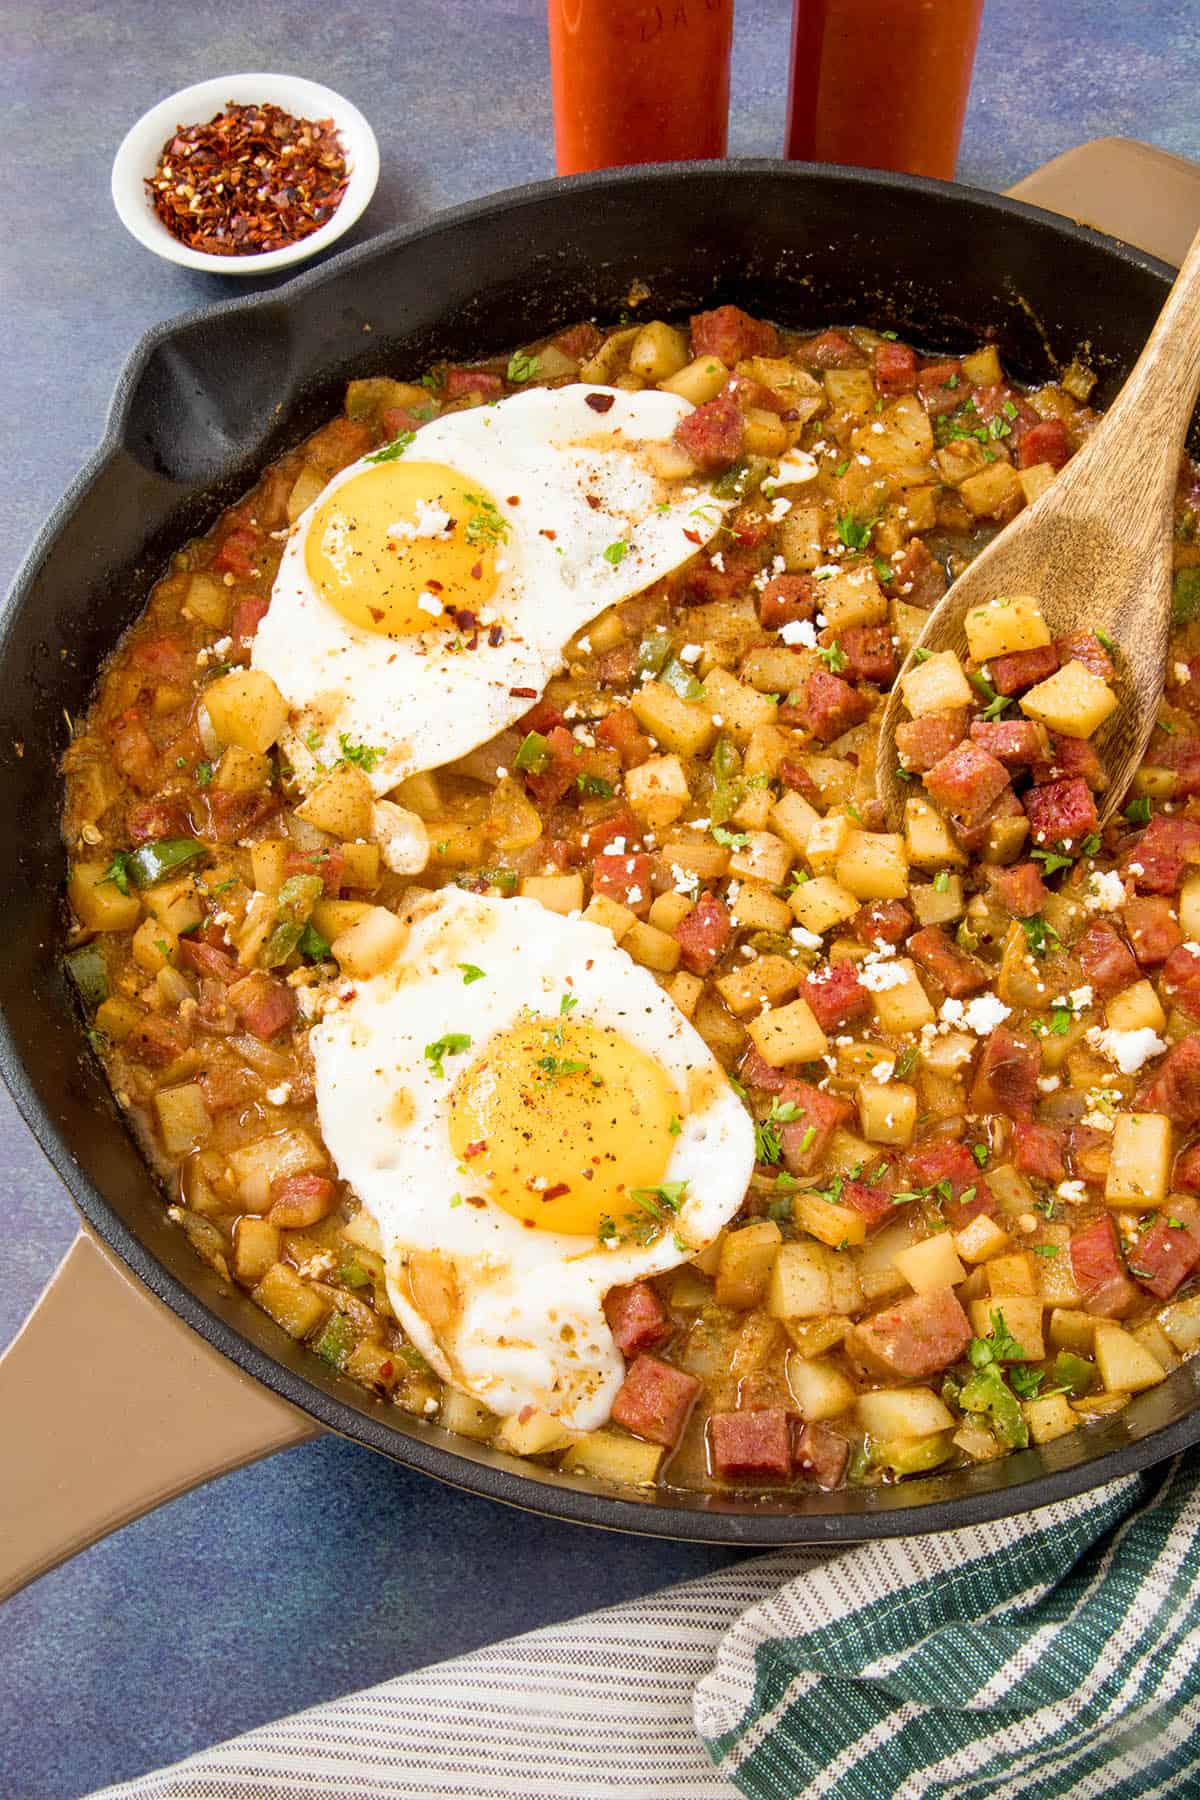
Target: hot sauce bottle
[
  {"x": 882, "y": 84},
  {"x": 636, "y": 82}
]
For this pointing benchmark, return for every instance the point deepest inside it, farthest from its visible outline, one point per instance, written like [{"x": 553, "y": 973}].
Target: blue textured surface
[{"x": 328, "y": 1569}]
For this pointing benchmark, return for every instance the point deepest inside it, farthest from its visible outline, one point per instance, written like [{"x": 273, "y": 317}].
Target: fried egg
[
  {"x": 530, "y": 1120},
  {"x": 423, "y": 600}
]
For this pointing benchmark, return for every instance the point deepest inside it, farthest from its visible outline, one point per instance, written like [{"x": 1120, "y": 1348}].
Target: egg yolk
[
  {"x": 404, "y": 547},
  {"x": 561, "y": 1123}
]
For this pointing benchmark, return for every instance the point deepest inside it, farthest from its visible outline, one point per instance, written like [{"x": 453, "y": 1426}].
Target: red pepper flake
[
  {"x": 523, "y": 693},
  {"x": 598, "y": 402},
  {"x": 250, "y": 180},
  {"x": 557, "y": 1191}
]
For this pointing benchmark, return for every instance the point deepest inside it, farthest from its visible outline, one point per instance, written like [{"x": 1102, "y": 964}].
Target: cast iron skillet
[{"x": 206, "y": 401}]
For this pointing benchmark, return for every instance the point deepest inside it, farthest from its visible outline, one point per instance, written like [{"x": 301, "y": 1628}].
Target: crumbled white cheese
[
  {"x": 797, "y": 466},
  {"x": 984, "y": 1013},
  {"x": 634, "y": 897},
  {"x": 878, "y": 977},
  {"x": 1128, "y": 1049},
  {"x": 779, "y": 509},
  {"x": 953, "y": 1012},
  {"x": 718, "y": 562},
  {"x": 1081, "y": 997},
  {"x": 1073, "y": 1191},
  {"x": 1181, "y": 672},
  {"x": 883, "y": 1072},
  {"x": 799, "y": 631},
  {"x": 429, "y": 603},
  {"x": 432, "y": 521},
  {"x": 1105, "y": 891},
  {"x": 690, "y": 653},
  {"x": 279, "y": 1096},
  {"x": 1048, "y": 1083},
  {"x": 808, "y": 940}
]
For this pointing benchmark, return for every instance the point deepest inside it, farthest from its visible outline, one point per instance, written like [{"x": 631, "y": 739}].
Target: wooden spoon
[{"x": 1095, "y": 548}]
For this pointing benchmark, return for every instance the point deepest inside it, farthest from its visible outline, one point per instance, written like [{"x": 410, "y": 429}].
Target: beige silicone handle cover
[{"x": 109, "y": 1404}]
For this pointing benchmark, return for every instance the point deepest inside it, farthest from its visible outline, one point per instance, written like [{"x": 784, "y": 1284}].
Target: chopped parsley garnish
[
  {"x": 522, "y": 367},
  {"x": 1090, "y": 844},
  {"x": 981, "y": 1153},
  {"x": 453, "y": 1044},
  {"x": 833, "y": 656},
  {"x": 884, "y": 571},
  {"x": 486, "y": 527},
  {"x": 390, "y": 452},
  {"x": 594, "y": 785},
  {"x": 734, "y": 840},
  {"x": 567, "y": 1004},
  {"x": 841, "y": 469},
  {"x": 471, "y": 972},
  {"x": 1138, "y": 811},
  {"x": 1060, "y": 1021},
  {"x": 1026, "y": 1382},
  {"x": 616, "y": 553},
  {"x": 906, "y": 1062},
  {"x": 855, "y": 533},
  {"x": 359, "y": 756},
  {"x": 1045, "y": 1249},
  {"x": 1106, "y": 641},
  {"x": 1051, "y": 861},
  {"x": 767, "y": 1137},
  {"x": 921, "y": 656},
  {"x": 998, "y": 1346},
  {"x": 941, "y": 881},
  {"x": 202, "y": 774},
  {"x": 118, "y": 872},
  {"x": 311, "y": 945},
  {"x": 996, "y": 703},
  {"x": 676, "y": 1125},
  {"x": 558, "y": 1066},
  {"x": 1040, "y": 935}
]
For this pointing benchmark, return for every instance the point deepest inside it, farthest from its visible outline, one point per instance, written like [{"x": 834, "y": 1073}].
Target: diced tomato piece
[
  {"x": 1072, "y": 757},
  {"x": 921, "y": 743},
  {"x": 1166, "y": 1254},
  {"x": 1187, "y": 1170},
  {"x": 1106, "y": 960},
  {"x": 712, "y": 434},
  {"x": 622, "y": 733},
  {"x": 1017, "y": 743},
  {"x": 472, "y": 381},
  {"x": 133, "y": 751},
  {"x": 162, "y": 818},
  {"x": 1020, "y": 669},
  {"x": 882, "y": 921},
  {"x": 1045, "y": 442},
  {"x": 231, "y": 815},
  {"x": 1182, "y": 755},
  {"x": 866, "y": 1197},
  {"x": 617, "y": 833},
  {"x": 1152, "y": 928},
  {"x": 757, "y": 1444},
  {"x": 920, "y": 579},
  {"x": 654, "y": 1400},
  {"x": 913, "y": 1339},
  {"x": 328, "y": 864},
  {"x": 626, "y": 878},
  {"x": 1020, "y": 888},
  {"x": 836, "y": 995},
  {"x": 167, "y": 658},
  {"x": 238, "y": 553},
  {"x": 264, "y": 1005},
  {"x": 830, "y": 350},
  {"x": 966, "y": 782},
  {"x": 822, "y": 1453},
  {"x": 869, "y": 652},
  {"x": 1175, "y": 1086},
  {"x": 1039, "y": 1151},
  {"x": 732, "y": 335},
  {"x": 787, "y": 598},
  {"x": 942, "y": 386},
  {"x": 757, "y": 1072},
  {"x": 541, "y": 717},
  {"x": 157, "y": 1041},
  {"x": 1006, "y": 1079},
  {"x": 248, "y": 614},
  {"x": 958, "y": 973},
  {"x": 704, "y": 935},
  {"x": 895, "y": 370},
  {"x": 340, "y": 442},
  {"x": 299, "y": 1200},
  {"x": 637, "y": 1318},
  {"x": 831, "y": 706},
  {"x": 205, "y": 959},
  {"x": 805, "y": 1140},
  {"x": 1159, "y": 859},
  {"x": 1181, "y": 980},
  {"x": 1064, "y": 812},
  {"x": 558, "y": 777}
]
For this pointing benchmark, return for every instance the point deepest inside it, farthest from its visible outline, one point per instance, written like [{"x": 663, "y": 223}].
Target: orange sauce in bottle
[
  {"x": 636, "y": 82},
  {"x": 882, "y": 84}
]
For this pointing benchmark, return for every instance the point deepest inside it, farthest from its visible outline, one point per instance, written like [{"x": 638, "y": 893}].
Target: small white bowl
[{"x": 137, "y": 159}]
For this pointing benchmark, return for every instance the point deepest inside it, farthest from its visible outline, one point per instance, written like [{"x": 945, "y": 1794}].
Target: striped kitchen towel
[{"x": 1052, "y": 1654}]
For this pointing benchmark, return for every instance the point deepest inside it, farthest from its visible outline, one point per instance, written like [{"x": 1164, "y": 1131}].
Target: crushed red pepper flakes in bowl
[{"x": 249, "y": 180}]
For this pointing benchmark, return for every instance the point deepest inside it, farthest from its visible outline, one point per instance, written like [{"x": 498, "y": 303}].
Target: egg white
[
  {"x": 425, "y": 699},
  {"x": 531, "y": 1330}
]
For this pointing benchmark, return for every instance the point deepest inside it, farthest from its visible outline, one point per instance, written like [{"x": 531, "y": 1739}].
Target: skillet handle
[{"x": 110, "y": 1405}]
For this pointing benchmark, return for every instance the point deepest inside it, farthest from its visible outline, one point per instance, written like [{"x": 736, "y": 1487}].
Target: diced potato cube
[
  {"x": 698, "y": 381},
  {"x": 370, "y": 945},
  {"x": 98, "y": 903},
  {"x": 933, "y": 1263},
  {"x": 765, "y": 433},
  {"x": 465, "y": 1416},
  {"x": 375, "y": 1366},
  {"x": 800, "y": 1286},
  {"x": 905, "y": 444},
  {"x": 756, "y": 908},
  {"x": 532, "y": 1432},
  {"x": 1005, "y": 840},
  {"x": 904, "y": 1007},
  {"x": 828, "y": 839},
  {"x": 812, "y": 1337},
  {"x": 948, "y": 1055},
  {"x": 332, "y": 917},
  {"x": 887, "y": 1111},
  {"x": 175, "y": 904},
  {"x": 853, "y": 598},
  {"x": 792, "y": 818},
  {"x": 342, "y": 804},
  {"x": 116, "y": 1017},
  {"x": 903, "y": 1413},
  {"x": 1049, "y": 1418},
  {"x": 299, "y": 1309},
  {"x": 1004, "y": 625},
  {"x": 877, "y": 1270},
  {"x": 183, "y": 1117},
  {"x": 850, "y": 390},
  {"x": 1072, "y": 1330},
  {"x": 1181, "y": 1322},
  {"x": 874, "y": 866},
  {"x": 242, "y": 771},
  {"x": 1012, "y": 1274},
  {"x": 1022, "y": 1320},
  {"x": 1151, "y": 1336},
  {"x": 627, "y": 1461},
  {"x": 268, "y": 863},
  {"x": 658, "y": 791},
  {"x": 936, "y": 685},
  {"x": 653, "y": 948},
  {"x": 908, "y": 622},
  {"x": 992, "y": 491},
  {"x": 669, "y": 910},
  {"x": 738, "y": 708},
  {"x": 456, "y": 845},
  {"x": 820, "y": 904},
  {"x": 931, "y": 843},
  {"x": 246, "y": 708},
  {"x": 820, "y": 1389},
  {"x": 700, "y": 856},
  {"x": 153, "y": 946},
  {"x": 255, "y": 1248},
  {"x": 1035, "y": 480},
  {"x": 1189, "y": 908},
  {"x": 611, "y": 914},
  {"x": 684, "y": 726},
  {"x": 685, "y": 990},
  {"x": 659, "y": 351},
  {"x": 980, "y": 1239},
  {"x": 835, "y": 780},
  {"x": 763, "y": 857},
  {"x": 773, "y": 669},
  {"x": 306, "y": 488},
  {"x": 982, "y": 368},
  {"x": 802, "y": 537},
  {"x": 937, "y": 902},
  {"x": 747, "y": 1256},
  {"x": 788, "y": 1034},
  {"x": 1139, "y": 1163},
  {"x": 1072, "y": 701},
  {"x": 1135, "y": 1008},
  {"x": 1126, "y": 1367},
  {"x": 360, "y": 865},
  {"x": 828, "y": 1221},
  {"x": 768, "y": 978},
  {"x": 557, "y": 893}
]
